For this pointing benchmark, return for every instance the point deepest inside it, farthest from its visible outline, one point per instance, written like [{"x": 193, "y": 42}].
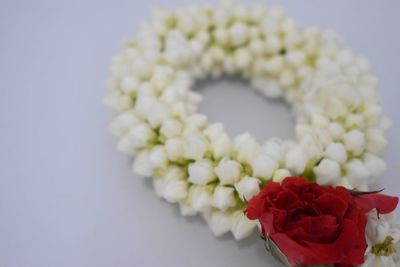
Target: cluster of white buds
[{"x": 340, "y": 124}]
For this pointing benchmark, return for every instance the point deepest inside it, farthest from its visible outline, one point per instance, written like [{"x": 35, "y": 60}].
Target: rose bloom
[{"x": 313, "y": 224}]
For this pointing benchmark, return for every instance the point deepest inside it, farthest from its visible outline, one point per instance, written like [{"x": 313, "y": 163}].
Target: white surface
[{"x": 67, "y": 198}]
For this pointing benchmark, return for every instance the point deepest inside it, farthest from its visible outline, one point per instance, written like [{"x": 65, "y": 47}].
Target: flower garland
[{"x": 340, "y": 126}]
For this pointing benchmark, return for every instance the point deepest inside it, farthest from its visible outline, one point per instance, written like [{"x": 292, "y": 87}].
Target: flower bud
[
  {"x": 171, "y": 128},
  {"x": 219, "y": 222},
  {"x": 158, "y": 157},
  {"x": 280, "y": 174},
  {"x": 273, "y": 148},
  {"x": 354, "y": 141},
  {"x": 175, "y": 190},
  {"x": 124, "y": 145},
  {"x": 186, "y": 210},
  {"x": 375, "y": 165},
  {"x": 174, "y": 149},
  {"x": 336, "y": 130},
  {"x": 121, "y": 124},
  {"x": 247, "y": 187},
  {"x": 223, "y": 197},
  {"x": 141, "y": 164},
  {"x": 241, "y": 226},
  {"x": 295, "y": 160},
  {"x": 194, "y": 147},
  {"x": 336, "y": 152},
  {"x": 238, "y": 33},
  {"x": 327, "y": 172},
  {"x": 214, "y": 130},
  {"x": 201, "y": 172},
  {"x": 200, "y": 198},
  {"x": 357, "y": 173},
  {"x": 246, "y": 146},
  {"x": 376, "y": 141},
  {"x": 228, "y": 171},
  {"x": 221, "y": 146},
  {"x": 140, "y": 135},
  {"x": 263, "y": 166}
]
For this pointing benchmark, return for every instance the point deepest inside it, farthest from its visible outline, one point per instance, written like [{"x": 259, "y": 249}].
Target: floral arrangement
[{"x": 236, "y": 184}]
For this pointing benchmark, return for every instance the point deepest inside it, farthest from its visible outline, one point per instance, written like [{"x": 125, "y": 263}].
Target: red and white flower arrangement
[{"x": 237, "y": 184}]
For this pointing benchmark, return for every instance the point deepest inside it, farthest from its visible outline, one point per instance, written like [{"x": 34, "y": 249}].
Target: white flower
[
  {"x": 223, "y": 197},
  {"x": 124, "y": 145},
  {"x": 158, "y": 157},
  {"x": 162, "y": 77},
  {"x": 129, "y": 84},
  {"x": 214, "y": 130},
  {"x": 241, "y": 226},
  {"x": 296, "y": 160},
  {"x": 175, "y": 190},
  {"x": 228, "y": 171},
  {"x": 336, "y": 130},
  {"x": 375, "y": 165},
  {"x": 357, "y": 173},
  {"x": 140, "y": 135},
  {"x": 273, "y": 148},
  {"x": 219, "y": 222},
  {"x": 200, "y": 198},
  {"x": 263, "y": 166},
  {"x": 174, "y": 149},
  {"x": 221, "y": 146},
  {"x": 194, "y": 147},
  {"x": 327, "y": 172},
  {"x": 186, "y": 210},
  {"x": 247, "y": 187},
  {"x": 246, "y": 147},
  {"x": 280, "y": 174},
  {"x": 201, "y": 172},
  {"x": 142, "y": 165},
  {"x": 311, "y": 146},
  {"x": 152, "y": 110},
  {"x": 376, "y": 141},
  {"x": 171, "y": 128},
  {"x": 121, "y": 124},
  {"x": 238, "y": 33},
  {"x": 354, "y": 141},
  {"x": 336, "y": 152}
]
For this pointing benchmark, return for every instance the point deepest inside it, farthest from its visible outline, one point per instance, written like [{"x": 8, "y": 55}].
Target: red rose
[{"x": 313, "y": 224}]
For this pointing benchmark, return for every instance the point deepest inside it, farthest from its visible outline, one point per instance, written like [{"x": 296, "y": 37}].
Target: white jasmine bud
[
  {"x": 219, "y": 222},
  {"x": 214, "y": 130},
  {"x": 354, "y": 141},
  {"x": 201, "y": 172},
  {"x": 200, "y": 198},
  {"x": 376, "y": 141},
  {"x": 194, "y": 147},
  {"x": 311, "y": 146},
  {"x": 375, "y": 165},
  {"x": 124, "y": 145},
  {"x": 336, "y": 152},
  {"x": 141, "y": 164},
  {"x": 221, "y": 146},
  {"x": 228, "y": 171},
  {"x": 356, "y": 173},
  {"x": 174, "y": 149},
  {"x": 158, "y": 157},
  {"x": 129, "y": 84},
  {"x": 223, "y": 197},
  {"x": 238, "y": 33},
  {"x": 246, "y": 146},
  {"x": 121, "y": 124},
  {"x": 162, "y": 77},
  {"x": 140, "y": 135},
  {"x": 241, "y": 226},
  {"x": 175, "y": 190},
  {"x": 336, "y": 130},
  {"x": 247, "y": 187},
  {"x": 273, "y": 148},
  {"x": 327, "y": 172},
  {"x": 296, "y": 160},
  {"x": 187, "y": 210},
  {"x": 280, "y": 174},
  {"x": 171, "y": 128},
  {"x": 263, "y": 166}
]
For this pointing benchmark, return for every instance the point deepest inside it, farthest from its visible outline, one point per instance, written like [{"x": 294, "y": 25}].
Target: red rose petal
[{"x": 382, "y": 203}]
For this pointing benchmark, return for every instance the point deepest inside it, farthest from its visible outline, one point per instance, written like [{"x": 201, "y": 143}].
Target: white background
[{"x": 67, "y": 198}]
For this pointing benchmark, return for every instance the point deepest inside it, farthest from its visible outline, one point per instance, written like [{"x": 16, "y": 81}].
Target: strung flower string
[{"x": 340, "y": 126}]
